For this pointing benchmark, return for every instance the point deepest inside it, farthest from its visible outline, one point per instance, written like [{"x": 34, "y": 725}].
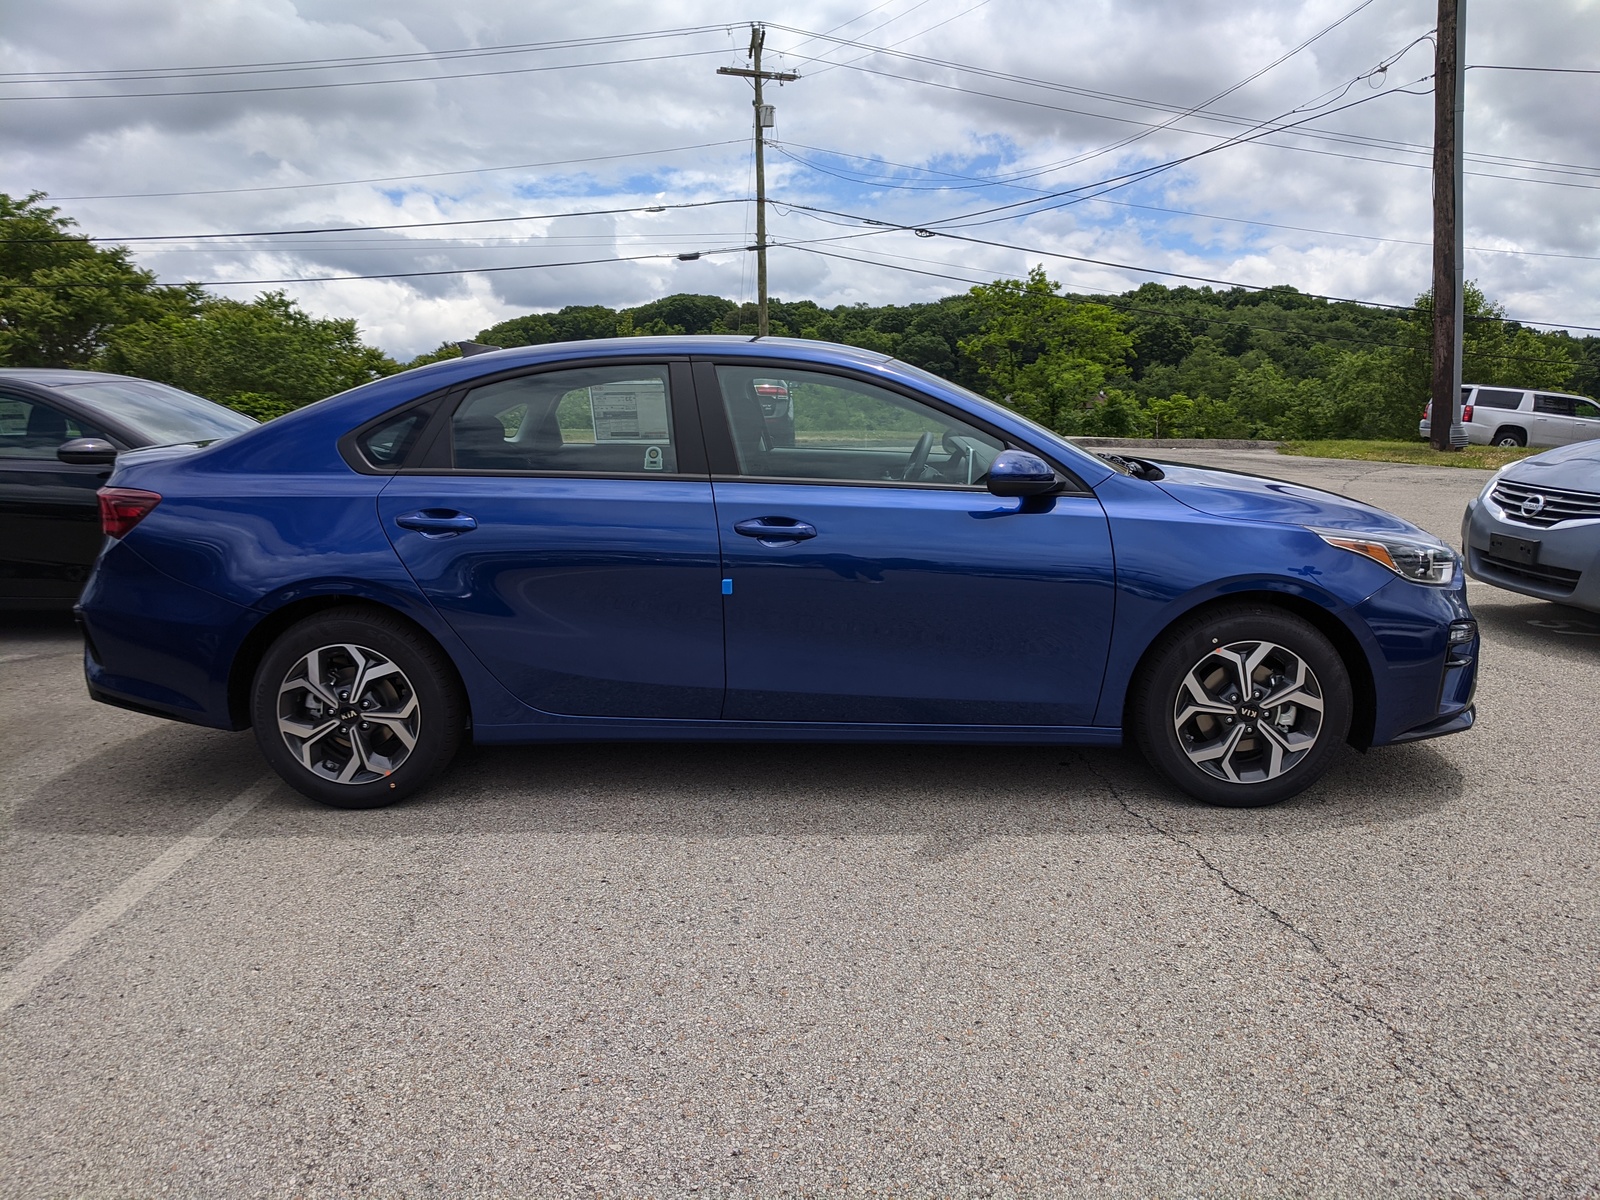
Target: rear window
[
  {"x": 1497, "y": 398},
  {"x": 163, "y": 414}
]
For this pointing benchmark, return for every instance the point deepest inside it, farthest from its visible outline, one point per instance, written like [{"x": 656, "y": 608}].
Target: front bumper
[
  {"x": 1563, "y": 564},
  {"x": 1424, "y": 681}
]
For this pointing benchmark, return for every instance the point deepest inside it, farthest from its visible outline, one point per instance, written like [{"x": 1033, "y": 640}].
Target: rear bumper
[{"x": 155, "y": 645}]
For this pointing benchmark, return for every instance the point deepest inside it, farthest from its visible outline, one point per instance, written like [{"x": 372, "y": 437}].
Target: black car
[{"x": 60, "y": 431}]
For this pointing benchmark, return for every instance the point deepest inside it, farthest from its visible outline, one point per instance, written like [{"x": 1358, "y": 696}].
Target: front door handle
[
  {"x": 775, "y": 531},
  {"x": 437, "y": 522}
]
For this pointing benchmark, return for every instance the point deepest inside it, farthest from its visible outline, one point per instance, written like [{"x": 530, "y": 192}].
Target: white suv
[{"x": 1497, "y": 416}]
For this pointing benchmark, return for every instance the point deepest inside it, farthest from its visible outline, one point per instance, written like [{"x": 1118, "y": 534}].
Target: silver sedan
[{"x": 1535, "y": 528}]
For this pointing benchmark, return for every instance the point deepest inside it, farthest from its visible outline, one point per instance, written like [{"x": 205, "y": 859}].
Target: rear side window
[
  {"x": 1557, "y": 406},
  {"x": 389, "y": 443},
  {"x": 1497, "y": 398},
  {"x": 589, "y": 420}
]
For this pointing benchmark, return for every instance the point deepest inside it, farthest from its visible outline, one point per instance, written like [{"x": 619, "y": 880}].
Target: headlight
[
  {"x": 1493, "y": 480},
  {"x": 1420, "y": 561}
]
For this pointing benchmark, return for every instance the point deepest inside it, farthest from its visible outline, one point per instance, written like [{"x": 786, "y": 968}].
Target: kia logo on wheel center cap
[{"x": 1533, "y": 505}]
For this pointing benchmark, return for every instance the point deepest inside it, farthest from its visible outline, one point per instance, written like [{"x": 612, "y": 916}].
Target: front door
[
  {"x": 49, "y": 514},
  {"x": 572, "y": 542},
  {"x": 875, "y": 580}
]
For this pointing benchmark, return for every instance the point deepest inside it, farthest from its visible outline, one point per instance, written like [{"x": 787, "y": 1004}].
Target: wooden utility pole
[
  {"x": 1449, "y": 101},
  {"x": 763, "y": 112}
]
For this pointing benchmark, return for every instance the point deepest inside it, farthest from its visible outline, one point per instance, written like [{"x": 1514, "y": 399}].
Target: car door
[
  {"x": 566, "y": 532},
  {"x": 1585, "y": 420},
  {"x": 873, "y": 579},
  {"x": 49, "y": 513},
  {"x": 1552, "y": 420}
]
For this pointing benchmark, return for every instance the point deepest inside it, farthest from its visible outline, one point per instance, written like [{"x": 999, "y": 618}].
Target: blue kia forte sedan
[{"x": 605, "y": 540}]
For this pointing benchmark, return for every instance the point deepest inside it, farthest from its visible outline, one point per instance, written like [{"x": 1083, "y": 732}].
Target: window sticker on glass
[
  {"x": 652, "y": 458},
  {"x": 630, "y": 411}
]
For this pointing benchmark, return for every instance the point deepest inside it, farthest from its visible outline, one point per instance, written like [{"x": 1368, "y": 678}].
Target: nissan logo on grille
[{"x": 1533, "y": 505}]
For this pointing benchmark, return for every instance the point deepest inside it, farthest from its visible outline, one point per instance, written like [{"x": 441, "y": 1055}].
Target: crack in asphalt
[{"x": 1482, "y": 1143}]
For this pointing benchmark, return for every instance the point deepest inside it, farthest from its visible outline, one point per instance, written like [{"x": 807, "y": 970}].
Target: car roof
[
  {"x": 55, "y": 376},
  {"x": 1517, "y": 387}
]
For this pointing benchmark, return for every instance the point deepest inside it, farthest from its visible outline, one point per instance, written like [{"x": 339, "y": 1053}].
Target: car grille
[
  {"x": 1557, "y": 578},
  {"x": 1553, "y": 505}
]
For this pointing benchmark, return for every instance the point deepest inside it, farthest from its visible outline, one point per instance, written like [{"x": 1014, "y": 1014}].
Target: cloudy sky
[{"x": 527, "y": 133}]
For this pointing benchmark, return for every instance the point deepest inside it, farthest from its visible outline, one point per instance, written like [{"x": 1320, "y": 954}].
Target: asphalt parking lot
[{"x": 758, "y": 970}]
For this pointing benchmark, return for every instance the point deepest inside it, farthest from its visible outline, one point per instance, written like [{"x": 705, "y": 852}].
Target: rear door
[
  {"x": 565, "y": 530},
  {"x": 872, "y": 577},
  {"x": 1552, "y": 420},
  {"x": 1585, "y": 420}
]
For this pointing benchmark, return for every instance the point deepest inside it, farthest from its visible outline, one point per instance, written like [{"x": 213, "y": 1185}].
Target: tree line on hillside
[{"x": 1154, "y": 361}]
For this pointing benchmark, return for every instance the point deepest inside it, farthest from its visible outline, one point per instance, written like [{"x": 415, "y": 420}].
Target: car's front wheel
[
  {"x": 355, "y": 709},
  {"x": 1243, "y": 706}
]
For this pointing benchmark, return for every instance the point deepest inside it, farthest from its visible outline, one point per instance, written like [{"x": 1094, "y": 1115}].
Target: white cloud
[{"x": 1147, "y": 62}]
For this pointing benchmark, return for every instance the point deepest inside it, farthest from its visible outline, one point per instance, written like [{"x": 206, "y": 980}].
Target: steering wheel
[{"x": 918, "y": 459}]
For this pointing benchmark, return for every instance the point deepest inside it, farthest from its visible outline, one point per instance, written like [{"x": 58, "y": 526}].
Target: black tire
[
  {"x": 1257, "y": 756},
  {"x": 355, "y": 753},
  {"x": 1510, "y": 437}
]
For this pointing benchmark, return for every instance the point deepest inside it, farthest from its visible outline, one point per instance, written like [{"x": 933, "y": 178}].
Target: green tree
[
  {"x": 1494, "y": 351},
  {"x": 61, "y": 296},
  {"x": 264, "y": 357},
  {"x": 1043, "y": 354}
]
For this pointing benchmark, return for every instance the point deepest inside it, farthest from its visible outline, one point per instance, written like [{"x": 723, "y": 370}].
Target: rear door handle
[
  {"x": 775, "y": 531},
  {"x": 437, "y": 522}
]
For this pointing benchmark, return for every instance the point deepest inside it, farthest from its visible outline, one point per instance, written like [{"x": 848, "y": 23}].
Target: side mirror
[
  {"x": 87, "y": 452},
  {"x": 1018, "y": 473}
]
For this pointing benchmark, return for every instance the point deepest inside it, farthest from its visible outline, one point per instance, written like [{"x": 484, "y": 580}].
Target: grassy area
[{"x": 1490, "y": 458}]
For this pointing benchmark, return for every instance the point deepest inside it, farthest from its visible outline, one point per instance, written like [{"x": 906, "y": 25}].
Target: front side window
[
  {"x": 1587, "y": 409},
  {"x": 589, "y": 420},
  {"x": 29, "y": 429},
  {"x": 834, "y": 429}
]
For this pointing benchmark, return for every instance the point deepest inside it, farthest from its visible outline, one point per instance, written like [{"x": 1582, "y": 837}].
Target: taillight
[
  {"x": 1466, "y": 412},
  {"x": 123, "y": 508},
  {"x": 1427, "y": 411}
]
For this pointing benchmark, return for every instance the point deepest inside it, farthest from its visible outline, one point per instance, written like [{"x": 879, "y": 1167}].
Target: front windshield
[{"x": 163, "y": 414}]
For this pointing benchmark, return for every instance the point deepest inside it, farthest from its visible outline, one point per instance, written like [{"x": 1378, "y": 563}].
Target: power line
[
  {"x": 292, "y": 187},
  {"x": 132, "y": 74},
  {"x": 1550, "y": 70},
  {"x": 1113, "y": 300},
  {"x": 585, "y": 262},
  {"x": 1111, "y": 97},
  {"x": 929, "y": 231},
  {"x": 309, "y": 87},
  {"x": 195, "y": 237},
  {"x": 978, "y": 181}
]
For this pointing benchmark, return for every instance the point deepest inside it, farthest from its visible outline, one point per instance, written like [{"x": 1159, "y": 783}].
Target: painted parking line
[{"x": 16, "y": 983}]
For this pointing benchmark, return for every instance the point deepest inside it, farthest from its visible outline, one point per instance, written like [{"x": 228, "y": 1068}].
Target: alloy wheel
[
  {"x": 348, "y": 714},
  {"x": 1248, "y": 712}
]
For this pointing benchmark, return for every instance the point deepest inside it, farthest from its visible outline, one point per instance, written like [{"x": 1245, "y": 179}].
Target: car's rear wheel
[
  {"x": 1243, "y": 706},
  {"x": 355, "y": 709},
  {"x": 1510, "y": 437}
]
